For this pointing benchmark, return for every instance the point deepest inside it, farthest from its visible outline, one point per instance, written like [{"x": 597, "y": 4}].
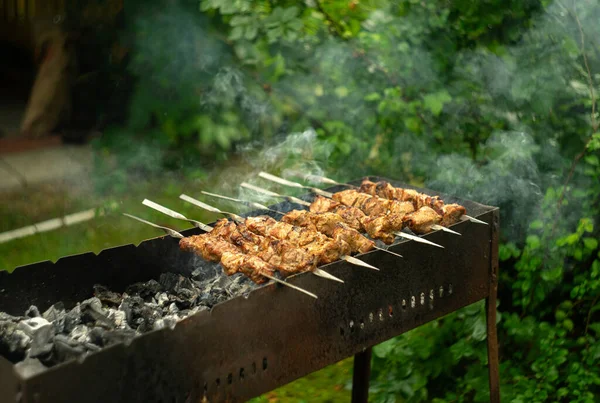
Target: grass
[{"x": 111, "y": 229}]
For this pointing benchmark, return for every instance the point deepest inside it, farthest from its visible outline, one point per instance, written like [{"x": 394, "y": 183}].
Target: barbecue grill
[{"x": 252, "y": 344}]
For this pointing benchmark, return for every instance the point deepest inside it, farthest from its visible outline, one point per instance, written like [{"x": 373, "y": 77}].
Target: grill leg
[
  {"x": 490, "y": 308},
  {"x": 361, "y": 377}
]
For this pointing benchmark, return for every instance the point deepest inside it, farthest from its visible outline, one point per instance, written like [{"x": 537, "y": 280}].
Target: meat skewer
[
  {"x": 205, "y": 206},
  {"x": 233, "y": 262},
  {"x": 381, "y": 205},
  {"x": 209, "y": 229},
  {"x": 420, "y": 219},
  {"x": 397, "y": 233},
  {"x": 323, "y": 179}
]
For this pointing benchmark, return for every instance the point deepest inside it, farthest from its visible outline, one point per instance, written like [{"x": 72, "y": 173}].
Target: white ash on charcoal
[{"x": 37, "y": 340}]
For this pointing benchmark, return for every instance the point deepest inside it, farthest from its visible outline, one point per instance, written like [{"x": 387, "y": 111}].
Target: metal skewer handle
[
  {"x": 285, "y": 182},
  {"x": 273, "y": 194},
  {"x": 245, "y": 202},
  {"x": 176, "y": 215},
  {"x": 210, "y": 208},
  {"x": 169, "y": 231}
]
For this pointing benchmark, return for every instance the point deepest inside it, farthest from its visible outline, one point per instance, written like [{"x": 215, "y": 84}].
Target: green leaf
[
  {"x": 590, "y": 243},
  {"x": 435, "y": 102},
  {"x": 537, "y": 224},
  {"x": 384, "y": 349}
]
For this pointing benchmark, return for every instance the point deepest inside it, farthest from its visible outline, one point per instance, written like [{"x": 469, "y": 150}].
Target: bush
[{"x": 494, "y": 101}]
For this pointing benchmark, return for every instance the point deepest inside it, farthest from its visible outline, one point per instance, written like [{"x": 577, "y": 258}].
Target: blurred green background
[{"x": 494, "y": 101}]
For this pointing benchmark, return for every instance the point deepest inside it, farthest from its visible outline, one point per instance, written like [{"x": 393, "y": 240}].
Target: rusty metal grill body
[{"x": 247, "y": 346}]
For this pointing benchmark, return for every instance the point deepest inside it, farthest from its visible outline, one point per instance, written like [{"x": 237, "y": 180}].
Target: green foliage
[{"x": 494, "y": 101}]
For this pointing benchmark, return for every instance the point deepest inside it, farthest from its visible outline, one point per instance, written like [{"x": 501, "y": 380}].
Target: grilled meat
[
  {"x": 422, "y": 220},
  {"x": 217, "y": 249},
  {"x": 285, "y": 256},
  {"x": 352, "y": 216},
  {"x": 451, "y": 213},
  {"x": 387, "y": 191},
  {"x": 251, "y": 266},
  {"x": 326, "y": 249},
  {"x": 376, "y": 226},
  {"x": 331, "y": 225}
]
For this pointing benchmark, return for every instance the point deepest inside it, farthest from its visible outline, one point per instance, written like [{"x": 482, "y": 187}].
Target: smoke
[{"x": 309, "y": 120}]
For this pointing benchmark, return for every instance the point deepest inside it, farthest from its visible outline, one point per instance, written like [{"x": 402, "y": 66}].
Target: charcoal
[
  {"x": 145, "y": 290},
  {"x": 168, "y": 321},
  {"x": 173, "y": 308},
  {"x": 118, "y": 317},
  {"x": 80, "y": 333},
  {"x": 92, "y": 311},
  {"x": 13, "y": 341},
  {"x": 42, "y": 341},
  {"x": 72, "y": 319},
  {"x": 67, "y": 349},
  {"x": 29, "y": 367},
  {"x": 162, "y": 298},
  {"x": 127, "y": 308},
  {"x": 39, "y": 341},
  {"x": 56, "y": 314},
  {"x": 103, "y": 338},
  {"x": 106, "y": 296},
  {"x": 32, "y": 312}
]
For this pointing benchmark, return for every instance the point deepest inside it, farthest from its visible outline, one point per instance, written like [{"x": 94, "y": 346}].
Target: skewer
[
  {"x": 176, "y": 215},
  {"x": 416, "y": 238},
  {"x": 475, "y": 220},
  {"x": 285, "y": 182},
  {"x": 291, "y": 199},
  {"x": 316, "y": 271},
  {"x": 273, "y": 194},
  {"x": 169, "y": 231},
  {"x": 398, "y": 233},
  {"x": 176, "y": 234},
  {"x": 349, "y": 259},
  {"x": 442, "y": 228},
  {"x": 212, "y": 209},
  {"x": 330, "y": 195},
  {"x": 323, "y": 179},
  {"x": 247, "y": 203}
]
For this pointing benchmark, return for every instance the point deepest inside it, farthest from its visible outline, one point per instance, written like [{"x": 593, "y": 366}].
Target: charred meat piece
[
  {"x": 207, "y": 245},
  {"x": 251, "y": 266},
  {"x": 233, "y": 261},
  {"x": 386, "y": 190},
  {"x": 285, "y": 256},
  {"x": 421, "y": 221},
  {"x": 331, "y": 225},
  {"x": 324, "y": 248},
  {"x": 265, "y": 225},
  {"x": 451, "y": 213},
  {"x": 379, "y": 227},
  {"x": 352, "y": 216}
]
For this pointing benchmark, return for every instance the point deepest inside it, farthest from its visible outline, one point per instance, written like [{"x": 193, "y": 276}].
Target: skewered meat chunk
[
  {"x": 452, "y": 213},
  {"x": 380, "y": 227},
  {"x": 207, "y": 245},
  {"x": 377, "y": 226},
  {"x": 217, "y": 249},
  {"x": 366, "y": 203},
  {"x": 422, "y": 220},
  {"x": 386, "y": 190},
  {"x": 352, "y": 216},
  {"x": 251, "y": 266},
  {"x": 326, "y": 249},
  {"x": 285, "y": 256},
  {"x": 330, "y": 224},
  {"x": 265, "y": 225}
]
